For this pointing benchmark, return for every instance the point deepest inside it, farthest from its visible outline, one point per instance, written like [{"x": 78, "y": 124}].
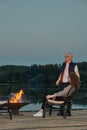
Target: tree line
[{"x": 41, "y": 74}]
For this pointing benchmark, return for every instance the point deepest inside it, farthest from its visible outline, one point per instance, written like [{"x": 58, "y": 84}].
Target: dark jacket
[{"x": 71, "y": 67}]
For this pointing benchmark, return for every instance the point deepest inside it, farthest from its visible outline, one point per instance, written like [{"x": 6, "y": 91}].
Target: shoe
[{"x": 38, "y": 114}]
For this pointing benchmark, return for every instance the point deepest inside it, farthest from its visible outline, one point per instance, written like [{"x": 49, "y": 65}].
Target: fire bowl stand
[{"x": 16, "y": 106}]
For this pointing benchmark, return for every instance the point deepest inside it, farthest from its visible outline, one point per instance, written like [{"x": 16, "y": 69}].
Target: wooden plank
[{"x": 25, "y": 121}]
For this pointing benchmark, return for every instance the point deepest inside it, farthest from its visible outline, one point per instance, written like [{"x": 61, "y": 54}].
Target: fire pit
[
  {"x": 16, "y": 106},
  {"x": 16, "y": 102}
]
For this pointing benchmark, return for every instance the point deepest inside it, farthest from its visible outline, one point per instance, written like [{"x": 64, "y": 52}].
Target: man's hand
[{"x": 57, "y": 82}]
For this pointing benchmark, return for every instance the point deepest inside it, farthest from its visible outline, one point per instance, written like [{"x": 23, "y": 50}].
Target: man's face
[{"x": 68, "y": 58}]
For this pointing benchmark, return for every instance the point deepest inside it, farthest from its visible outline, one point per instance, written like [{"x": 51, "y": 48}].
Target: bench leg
[
  {"x": 68, "y": 111},
  {"x": 10, "y": 113}
]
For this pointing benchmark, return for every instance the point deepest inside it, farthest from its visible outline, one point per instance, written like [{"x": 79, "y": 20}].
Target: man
[{"x": 67, "y": 67}]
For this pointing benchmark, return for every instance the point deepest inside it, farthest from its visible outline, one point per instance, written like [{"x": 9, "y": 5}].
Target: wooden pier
[{"x": 25, "y": 121}]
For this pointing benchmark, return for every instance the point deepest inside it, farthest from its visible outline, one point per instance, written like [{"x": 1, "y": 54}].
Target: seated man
[{"x": 74, "y": 83}]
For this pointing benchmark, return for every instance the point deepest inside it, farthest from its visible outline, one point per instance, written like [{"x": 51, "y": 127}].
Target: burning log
[{"x": 17, "y": 97}]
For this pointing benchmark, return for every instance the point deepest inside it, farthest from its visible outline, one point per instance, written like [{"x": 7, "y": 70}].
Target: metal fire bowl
[{"x": 16, "y": 106}]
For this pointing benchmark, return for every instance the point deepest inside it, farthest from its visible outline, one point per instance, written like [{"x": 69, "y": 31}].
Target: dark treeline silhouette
[{"x": 37, "y": 80}]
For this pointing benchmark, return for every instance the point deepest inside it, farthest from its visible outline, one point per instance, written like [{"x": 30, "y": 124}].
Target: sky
[{"x": 42, "y": 31}]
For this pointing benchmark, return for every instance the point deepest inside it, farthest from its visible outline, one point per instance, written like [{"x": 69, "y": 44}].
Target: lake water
[{"x": 37, "y": 106}]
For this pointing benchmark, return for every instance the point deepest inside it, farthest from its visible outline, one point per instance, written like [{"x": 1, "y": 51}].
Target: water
[
  {"x": 37, "y": 106},
  {"x": 31, "y": 107}
]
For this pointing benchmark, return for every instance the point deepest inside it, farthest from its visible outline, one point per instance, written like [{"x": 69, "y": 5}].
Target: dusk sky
[{"x": 42, "y": 31}]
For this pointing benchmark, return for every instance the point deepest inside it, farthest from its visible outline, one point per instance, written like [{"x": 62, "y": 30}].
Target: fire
[{"x": 17, "y": 97}]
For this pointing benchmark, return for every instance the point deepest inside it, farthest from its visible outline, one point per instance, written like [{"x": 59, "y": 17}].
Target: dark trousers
[{"x": 43, "y": 103}]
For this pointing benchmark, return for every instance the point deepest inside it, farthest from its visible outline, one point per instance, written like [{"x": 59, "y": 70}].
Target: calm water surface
[{"x": 37, "y": 106}]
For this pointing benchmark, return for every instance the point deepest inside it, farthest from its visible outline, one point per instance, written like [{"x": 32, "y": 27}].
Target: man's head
[{"x": 68, "y": 57}]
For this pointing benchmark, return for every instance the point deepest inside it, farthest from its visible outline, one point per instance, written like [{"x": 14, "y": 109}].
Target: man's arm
[{"x": 58, "y": 80}]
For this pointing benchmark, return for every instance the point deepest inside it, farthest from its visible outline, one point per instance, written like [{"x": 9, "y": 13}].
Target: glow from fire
[{"x": 17, "y": 97}]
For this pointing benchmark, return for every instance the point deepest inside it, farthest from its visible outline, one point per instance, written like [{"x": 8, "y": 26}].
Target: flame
[{"x": 17, "y": 97}]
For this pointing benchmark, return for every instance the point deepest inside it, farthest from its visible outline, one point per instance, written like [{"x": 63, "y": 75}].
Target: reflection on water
[
  {"x": 31, "y": 107},
  {"x": 37, "y": 106},
  {"x": 77, "y": 106}
]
